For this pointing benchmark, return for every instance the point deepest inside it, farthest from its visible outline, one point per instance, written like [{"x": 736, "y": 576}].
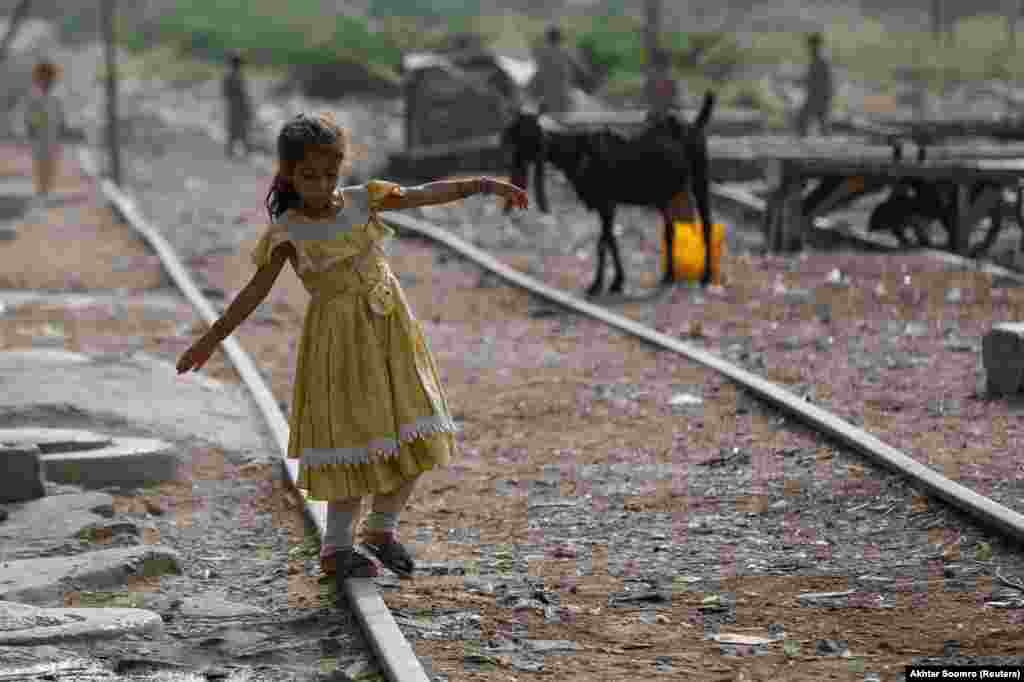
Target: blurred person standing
[
  {"x": 44, "y": 121},
  {"x": 662, "y": 90},
  {"x": 557, "y": 71},
  {"x": 819, "y": 89},
  {"x": 238, "y": 106}
]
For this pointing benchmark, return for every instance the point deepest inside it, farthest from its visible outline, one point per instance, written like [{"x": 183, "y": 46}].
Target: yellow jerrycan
[{"x": 688, "y": 251}]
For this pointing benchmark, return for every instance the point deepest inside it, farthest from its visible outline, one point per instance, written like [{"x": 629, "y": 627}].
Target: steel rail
[
  {"x": 988, "y": 511},
  {"x": 393, "y": 652}
]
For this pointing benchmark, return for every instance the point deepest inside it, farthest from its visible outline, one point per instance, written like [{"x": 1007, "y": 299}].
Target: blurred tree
[{"x": 17, "y": 17}]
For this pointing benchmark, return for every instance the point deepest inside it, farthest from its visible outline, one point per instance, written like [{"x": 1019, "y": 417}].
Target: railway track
[{"x": 393, "y": 652}]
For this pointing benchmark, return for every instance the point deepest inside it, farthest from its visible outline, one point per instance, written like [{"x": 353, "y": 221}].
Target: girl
[
  {"x": 369, "y": 414},
  {"x": 44, "y": 120}
]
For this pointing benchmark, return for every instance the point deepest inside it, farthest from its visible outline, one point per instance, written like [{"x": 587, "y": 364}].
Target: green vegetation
[
  {"x": 294, "y": 33},
  {"x": 198, "y": 34}
]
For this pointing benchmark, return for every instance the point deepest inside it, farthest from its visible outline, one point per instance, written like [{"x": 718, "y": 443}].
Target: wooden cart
[{"x": 965, "y": 200}]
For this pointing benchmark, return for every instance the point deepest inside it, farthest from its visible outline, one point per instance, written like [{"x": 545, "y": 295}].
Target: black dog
[{"x": 605, "y": 168}]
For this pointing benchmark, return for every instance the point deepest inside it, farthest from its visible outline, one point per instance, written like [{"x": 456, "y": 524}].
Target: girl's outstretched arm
[
  {"x": 250, "y": 297},
  {"x": 245, "y": 302},
  {"x": 444, "y": 191}
]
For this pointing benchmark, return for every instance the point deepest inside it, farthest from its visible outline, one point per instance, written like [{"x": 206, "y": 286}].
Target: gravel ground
[
  {"x": 643, "y": 515},
  {"x": 640, "y": 506},
  {"x": 241, "y": 533}
]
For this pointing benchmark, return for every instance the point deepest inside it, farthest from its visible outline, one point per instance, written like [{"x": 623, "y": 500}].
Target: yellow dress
[{"x": 368, "y": 408}]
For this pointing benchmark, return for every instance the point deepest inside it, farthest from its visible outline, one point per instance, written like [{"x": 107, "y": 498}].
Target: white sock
[{"x": 338, "y": 533}]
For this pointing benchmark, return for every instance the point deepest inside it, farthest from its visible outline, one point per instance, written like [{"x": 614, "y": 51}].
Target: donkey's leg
[
  {"x": 669, "y": 276},
  {"x": 602, "y": 245},
  {"x": 608, "y": 225}
]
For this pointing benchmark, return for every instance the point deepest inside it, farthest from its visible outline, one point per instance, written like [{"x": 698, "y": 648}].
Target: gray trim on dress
[
  {"x": 355, "y": 213},
  {"x": 386, "y": 447}
]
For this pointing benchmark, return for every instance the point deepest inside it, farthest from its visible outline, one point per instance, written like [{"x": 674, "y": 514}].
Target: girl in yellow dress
[{"x": 369, "y": 414}]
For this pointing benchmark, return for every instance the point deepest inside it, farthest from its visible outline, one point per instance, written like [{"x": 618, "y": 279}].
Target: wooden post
[
  {"x": 17, "y": 17},
  {"x": 937, "y": 20},
  {"x": 652, "y": 43},
  {"x": 961, "y": 237},
  {"x": 1012, "y": 7},
  {"x": 113, "y": 129}
]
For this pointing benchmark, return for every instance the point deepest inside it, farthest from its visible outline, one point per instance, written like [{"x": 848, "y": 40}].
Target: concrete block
[
  {"x": 23, "y": 473},
  {"x": 46, "y": 581},
  {"x": 1002, "y": 352},
  {"x": 25, "y": 625},
  {"x": 128, "y": 462}
]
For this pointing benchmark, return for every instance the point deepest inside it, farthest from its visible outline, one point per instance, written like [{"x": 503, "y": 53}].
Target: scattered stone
[
  {"x": 961, "y": 345},
  {"x": 954, "y": 295},
  {"x": 944, "y": 407},
  {"x": 727, "y": 456},
  {"x": 8, "y": 233},
  {"x": 638, "y": 597},
  {"x": 791, "y": 343},
  {"x": 743, "y": 645},
  {"x": 685, "y": 400},
  {"x": 837, "y": 278},
  {"x": 832, "y": 647},
  {"x": 798, "y": 296},
  {"x": 826, "y": 599},
  {"x": 547, "y": 646},
  {"x": 915, "y": 329}
]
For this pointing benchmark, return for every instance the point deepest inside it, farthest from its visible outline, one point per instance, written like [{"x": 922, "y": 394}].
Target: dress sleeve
[
  {"x": 380, "y": 190},
  {"x": 273, "y": 236}
]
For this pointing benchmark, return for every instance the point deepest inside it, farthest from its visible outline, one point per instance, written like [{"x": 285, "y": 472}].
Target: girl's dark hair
[{"x": 296, "y": 138}]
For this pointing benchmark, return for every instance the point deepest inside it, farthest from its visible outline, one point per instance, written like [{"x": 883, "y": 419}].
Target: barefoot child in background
[
  {"x": 44, "y": 120},
  {"x": 369, "y": 414}
]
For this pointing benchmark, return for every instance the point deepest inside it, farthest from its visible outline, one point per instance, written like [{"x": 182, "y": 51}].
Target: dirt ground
[
  {"x": 564, "y": 421},
  {"x": 526, "y": 403}
]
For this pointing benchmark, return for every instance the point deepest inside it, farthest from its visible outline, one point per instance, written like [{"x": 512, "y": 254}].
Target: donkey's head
[{"x": 523, "y": 144}]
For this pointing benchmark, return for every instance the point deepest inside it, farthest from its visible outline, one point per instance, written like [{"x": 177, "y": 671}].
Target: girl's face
[{"x": 315, "y": 178}]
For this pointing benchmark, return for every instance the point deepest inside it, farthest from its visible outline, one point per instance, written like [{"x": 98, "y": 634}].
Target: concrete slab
[
  {"x": 127, "y": 462},
  {"x": 45, "y": 661},
  {"x": 23, "y": 472},
  {"x": 24, "y": 624},
  {"x": 94, "y": 460},
  {"x": 55, "y": 440},
  {"x": 43, "y": 526},
  {"x": 139, "y": 388},
  {"x": 46, "y": 581}
]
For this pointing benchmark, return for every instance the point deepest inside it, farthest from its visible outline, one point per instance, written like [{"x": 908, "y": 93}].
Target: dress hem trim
[{"x": 314, "y": 458}]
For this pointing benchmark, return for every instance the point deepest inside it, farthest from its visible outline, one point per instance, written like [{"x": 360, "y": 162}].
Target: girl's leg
[
  {"x": 337, "y": 553},
  {"x": 341, "y": 515},
  {"x": 387, "y": 508},
  {"x": 49, "y": 175},
  {"x": 382, "y": 530}
]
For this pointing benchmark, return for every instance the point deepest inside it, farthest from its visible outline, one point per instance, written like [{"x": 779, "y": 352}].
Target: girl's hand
[
  {"x": 196, "y": 356},
  {"x": 514, "y": 196}
]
